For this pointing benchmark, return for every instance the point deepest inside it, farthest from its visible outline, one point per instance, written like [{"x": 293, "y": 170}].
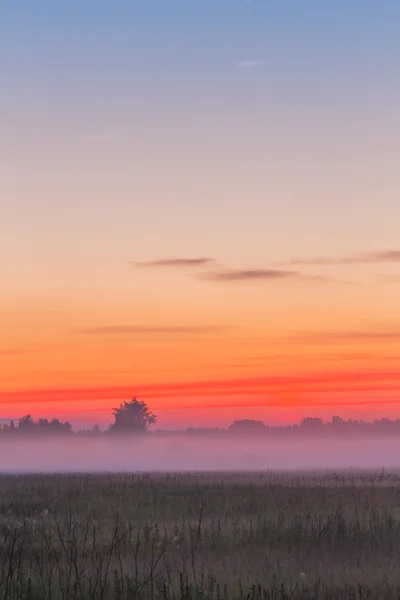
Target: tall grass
[{"x": 200, "y": 536}]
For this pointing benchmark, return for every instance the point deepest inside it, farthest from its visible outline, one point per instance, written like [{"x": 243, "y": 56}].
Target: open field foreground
[{"x": 200, "y": 536}]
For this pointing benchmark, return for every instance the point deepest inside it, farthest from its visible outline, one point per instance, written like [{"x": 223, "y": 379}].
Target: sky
[{"x": 200, "y": 207}]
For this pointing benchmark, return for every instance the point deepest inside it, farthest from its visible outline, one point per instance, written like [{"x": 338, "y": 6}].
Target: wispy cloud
[
  {"x": 140, "y": 330},
  {"x": 250, "y": 63},
  {"x": 383, "y": 256},
  {"x": 345, "y": 337},
  {"x": 267, "y": 275},
  {"x": 11, "y": 352},
  {"x": 389, "y": 278},
  {"x": 279, "y": 389},
  {"x": 249, "y": 275},
  {"x": 226, "y": 275},
  {"x": 319, "y": 357},
  {"x": 174, "y": 262}
]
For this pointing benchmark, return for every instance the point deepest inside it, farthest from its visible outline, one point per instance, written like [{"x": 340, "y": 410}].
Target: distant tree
[
  {"x": 337, "y": 421},
  {"x": 132, "y": 417},
  {"x": 93, "y": 431},
  {"x": 311, "y": 423},
  {"x": 244, "y": 424},
  {"x": 26, "y": 424},
  {"x": 204, "y": 430},
  {"x": 59, "y": 427}
]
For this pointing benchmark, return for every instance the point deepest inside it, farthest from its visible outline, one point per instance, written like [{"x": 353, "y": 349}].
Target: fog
[{"x": 181, "y": 453}]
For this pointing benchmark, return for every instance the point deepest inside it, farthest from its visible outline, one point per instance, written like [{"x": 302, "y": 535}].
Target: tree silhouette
[
  {"x": 245, "y": 424},
  {"x": 26, "y": 424},
  {"x": 311, "y": 423},
  {"x": 132, "y": 417}
]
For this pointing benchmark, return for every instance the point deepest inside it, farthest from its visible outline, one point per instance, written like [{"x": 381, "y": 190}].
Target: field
[{"x": 200, "y": 536}]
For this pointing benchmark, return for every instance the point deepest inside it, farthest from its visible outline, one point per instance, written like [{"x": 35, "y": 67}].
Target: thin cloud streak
[
  {"x": 327, "y": 358},
  {"x": 262, "y": 403},
  {"x": 174, "y": 262},
  {"x": 236, "y": 275},
  {"x": 251, "y": 63},
  {"x": 139, "y": 330},
  {"x": 384, "y": 256},
  {"x": 15, "y": 352},
  {"x": 329, "y": 382},
  {"x": 389, "y": 278},
  {"x": 249, "y": 275},
  {"x": 340, "y": 337}
]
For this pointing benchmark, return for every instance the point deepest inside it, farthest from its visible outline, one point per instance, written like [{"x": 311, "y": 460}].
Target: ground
[{"x": 253, "y": 535}]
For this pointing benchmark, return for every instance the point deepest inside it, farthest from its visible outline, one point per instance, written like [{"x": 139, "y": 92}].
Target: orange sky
[
  {"x": 211, "y": 227},
  {"x": 275, "y": 362}
]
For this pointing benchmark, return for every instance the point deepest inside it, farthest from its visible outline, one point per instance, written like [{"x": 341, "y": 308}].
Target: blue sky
[{"x": 277, "y": 92}]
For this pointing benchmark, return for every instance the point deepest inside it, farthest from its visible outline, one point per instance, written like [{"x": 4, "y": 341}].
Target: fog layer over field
[{"x": 180, "y": 453}]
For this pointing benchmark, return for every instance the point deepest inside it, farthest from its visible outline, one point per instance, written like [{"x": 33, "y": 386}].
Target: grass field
[{"x": 200, "y": 536}]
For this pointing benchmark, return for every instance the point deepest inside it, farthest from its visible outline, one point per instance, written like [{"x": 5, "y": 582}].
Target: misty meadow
[
  {"x": 199, "y": 205},
  {"x": 129, "y": 445},
  {"x": 194, "y": 536}
]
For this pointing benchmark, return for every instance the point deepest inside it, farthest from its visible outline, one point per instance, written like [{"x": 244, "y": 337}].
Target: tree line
[
  {"x": 130, "y": 417},
  {"x": 135, "y": 417}
]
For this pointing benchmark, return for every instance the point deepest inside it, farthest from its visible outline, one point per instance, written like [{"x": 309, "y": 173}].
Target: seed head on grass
[{"x": 303, "y": 578}]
